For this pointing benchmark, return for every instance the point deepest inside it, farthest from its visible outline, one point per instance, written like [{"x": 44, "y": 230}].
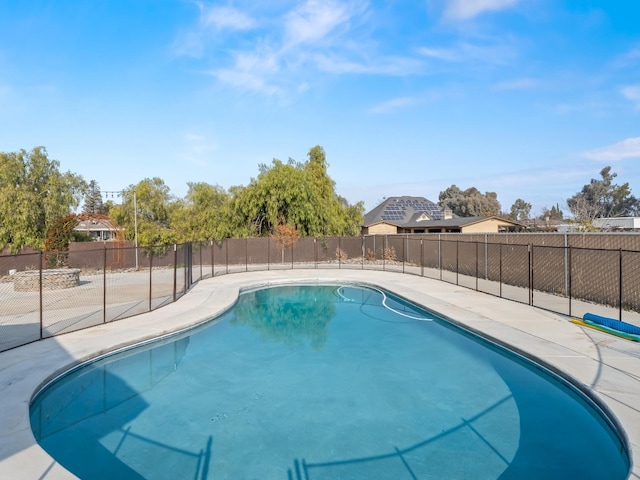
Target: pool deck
[{"x": 606, "y": 365}]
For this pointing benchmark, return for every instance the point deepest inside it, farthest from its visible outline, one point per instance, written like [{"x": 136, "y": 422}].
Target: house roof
[
  {"x": 401, "y": 210},
  {"x": 94, "y": 225}
]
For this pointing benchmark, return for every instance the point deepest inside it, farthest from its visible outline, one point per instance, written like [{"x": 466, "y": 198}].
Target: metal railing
[{"x": 36, "y": 304}]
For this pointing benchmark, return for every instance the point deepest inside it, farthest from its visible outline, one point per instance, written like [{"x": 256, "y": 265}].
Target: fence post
[
  {"x": 620, "y": 285},
  {"x": 200, "y": 252},
  {"x": 566, "y": 262},
  {"x": 339, "y": 253},
  {"x": 457, "y": 261},
  {"x": 315, "y": 252},
  {"x": 362, "y": 250},
  {"x": 569, "y": 276},
  {"x": 175, "y": 270},
  {"x": 104, "y": 284},
  {"x": 226, "y": 253},
  {"x": 41, "y": 301},
  {"x": 150, "y": 275},
  {"x": 477, "y": 262},
  {"x": 500, "y": 269},
  {"x": 440, "y": 254},
  {"x": 403, "y": 253},
  {"x": 384, "y": 252},
  {"x": 268, "y": 253},
  {"x": 246, "y": 254},
  {"x": 530, "y": 258},
  {"x": 187, "y": 270},
  {"x": 422, "y": 257},
  {"x": 486, "y": 256},
  {"x": 213, "y": 273}
]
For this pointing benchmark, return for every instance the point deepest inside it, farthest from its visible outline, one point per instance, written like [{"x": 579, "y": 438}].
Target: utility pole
[{"x": 135, "y": 216}]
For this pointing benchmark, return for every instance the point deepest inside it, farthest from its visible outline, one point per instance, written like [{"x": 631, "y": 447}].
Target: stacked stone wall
[{"x": 29, "y": 281}]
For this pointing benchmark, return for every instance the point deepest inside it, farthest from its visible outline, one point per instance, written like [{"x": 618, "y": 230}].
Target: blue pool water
[{"x": 323, "y": 382}]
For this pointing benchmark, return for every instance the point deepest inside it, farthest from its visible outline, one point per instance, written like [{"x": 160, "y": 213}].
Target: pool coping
[{"x": 607, "y": 366}]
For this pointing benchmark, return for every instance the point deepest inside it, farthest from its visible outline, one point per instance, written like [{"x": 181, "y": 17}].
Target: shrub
[
  {"x": 370, "y": 255},
  {"x": 389, "y": 254}
]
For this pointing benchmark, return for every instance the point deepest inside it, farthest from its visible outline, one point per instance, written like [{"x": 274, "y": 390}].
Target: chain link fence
[{"x": 44, "y": 294}]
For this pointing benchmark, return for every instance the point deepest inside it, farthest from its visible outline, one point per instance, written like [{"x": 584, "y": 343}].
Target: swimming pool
[{"x": 323, "y": 382}]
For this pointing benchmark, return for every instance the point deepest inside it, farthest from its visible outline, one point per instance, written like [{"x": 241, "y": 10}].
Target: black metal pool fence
[{"x": 44, "y": 294}]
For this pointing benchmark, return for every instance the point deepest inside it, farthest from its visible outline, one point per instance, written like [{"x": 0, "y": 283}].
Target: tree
[
  {"x": 469, "y": 203},
  {"x": 300, "y": 195},
  {"x": 145, "y": 211},
  {"x": 93, "y": 200},
  {"x": 520, "y": 210},
  {"x": 602, "y": 198},
  {"x": 33, "y": 195},
  {"x": 554, "y": 213},
  {"x": 202, "y": 215},
  {"x": 61, "y": 233},
  {"x": 285, "y": 236},
  {"x": 336, "y": 215}
]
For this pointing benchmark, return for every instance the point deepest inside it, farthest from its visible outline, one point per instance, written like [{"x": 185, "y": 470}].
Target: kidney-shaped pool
[{"x": 308, "y": 382}]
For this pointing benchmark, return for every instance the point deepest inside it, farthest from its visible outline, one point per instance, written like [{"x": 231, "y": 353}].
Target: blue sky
[{"x": 527, "y": 98}]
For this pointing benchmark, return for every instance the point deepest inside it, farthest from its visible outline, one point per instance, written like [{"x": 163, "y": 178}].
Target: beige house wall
[
  {"x": 382, "y": 229},
  {"x": 487, "y": 226}
]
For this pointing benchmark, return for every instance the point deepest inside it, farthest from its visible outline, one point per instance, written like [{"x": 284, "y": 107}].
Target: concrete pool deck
[{"x": 606, "y": 365}]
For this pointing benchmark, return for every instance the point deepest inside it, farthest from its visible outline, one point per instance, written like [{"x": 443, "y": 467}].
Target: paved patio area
[{"x": 607, "y": 366}]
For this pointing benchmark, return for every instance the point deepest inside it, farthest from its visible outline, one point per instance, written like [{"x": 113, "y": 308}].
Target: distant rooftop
[{"x": 401, "y": 210}]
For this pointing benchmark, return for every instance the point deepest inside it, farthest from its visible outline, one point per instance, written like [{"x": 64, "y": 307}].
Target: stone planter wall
[{"x": 29, "y": 281}]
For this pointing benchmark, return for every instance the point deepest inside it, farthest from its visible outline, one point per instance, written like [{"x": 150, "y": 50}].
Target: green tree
[
  {"x": 202, "y": 215},
  {"x": 553, "y": 213},
  {"x": 34, "y": 193},
  {"x": 520, "y": 210},
  {"x": 275, "y": 194},
  {"x": 300, "y": 195},
  {"x": 93, "y": 200},
  {"x": 145, "y": 210},
  {"x": 470, "y": 202},
  {"x": 602, "y": 198}
]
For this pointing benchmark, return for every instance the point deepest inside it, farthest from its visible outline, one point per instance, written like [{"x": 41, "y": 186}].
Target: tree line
[{"x": 286, "y": 199}]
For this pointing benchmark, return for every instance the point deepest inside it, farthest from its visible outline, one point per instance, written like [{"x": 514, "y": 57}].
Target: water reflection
[{"x": 296, "y": 315}]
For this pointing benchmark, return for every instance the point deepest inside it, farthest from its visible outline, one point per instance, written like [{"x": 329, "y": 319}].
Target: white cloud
[
  {"x": 252, "y": 71},
  {"x": 278, "y": 60},
  {"x": 629, "y": 148},
  {"x": 446, "y": 54},
  {"x": 394, "y": 104},
  {"x": 632, "y": 92},
  {"x": 320, "y": 36},
  {"x": 316, "y": 19},
  {"x": 517, "y": 84},
  {"x": 627, "y": 59},
  {"x": 496, "y": 54},
  {"x": 395, "y": 66},
  {"x": 465, "y": 9},
  {"x": 211, "y": 21},
  {"x": 225, "y": 18}
]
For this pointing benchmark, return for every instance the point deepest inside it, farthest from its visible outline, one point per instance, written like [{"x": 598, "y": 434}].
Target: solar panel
[{"x": 397, "y": 211}]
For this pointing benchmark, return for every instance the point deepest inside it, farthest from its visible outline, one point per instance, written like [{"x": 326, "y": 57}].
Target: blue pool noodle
[{"x": 612, "y": 323}]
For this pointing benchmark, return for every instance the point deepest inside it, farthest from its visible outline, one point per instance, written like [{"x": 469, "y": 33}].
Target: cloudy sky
[{"x": 526, "y": 98}]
